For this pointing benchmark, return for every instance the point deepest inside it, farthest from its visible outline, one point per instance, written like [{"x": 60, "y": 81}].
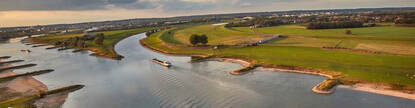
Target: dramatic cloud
[
  {"x": 179, "y": 5},
  {"x": 72, "y": 4},
  {"x": 33, "y": 12}
]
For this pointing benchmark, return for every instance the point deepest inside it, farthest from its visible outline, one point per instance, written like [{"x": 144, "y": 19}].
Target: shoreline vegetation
[
  {"x": 155, "y": 42},
  {"x": 23, "y": 91},
  {"x": 104, "y": 49}
]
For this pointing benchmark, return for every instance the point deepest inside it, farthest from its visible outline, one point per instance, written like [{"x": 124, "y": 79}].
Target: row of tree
[
  {"x": 405, "y": 21},
  {"x": 148, "y": 33},
  {"x": 333, "y": 25},
  {"x": 79, "y": 42},
  {"x": 258, "y": 22},
  {"x": 195, "y": 39}
]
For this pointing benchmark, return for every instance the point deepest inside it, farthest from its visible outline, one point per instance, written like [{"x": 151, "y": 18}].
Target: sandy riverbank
[
  {"x": 380, "y": 89},
  {"x": 23, "y": 85},
  {"x": 365, "y": 87},
  {"x": 26, "y": 86}
]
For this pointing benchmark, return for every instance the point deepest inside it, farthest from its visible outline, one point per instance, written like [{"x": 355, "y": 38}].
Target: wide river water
[{"x": 136, "y": 82}]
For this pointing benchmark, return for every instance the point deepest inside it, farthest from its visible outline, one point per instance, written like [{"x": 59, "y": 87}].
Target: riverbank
[
  {"x": 23, "y": 90},
  {"x": 380, "y": 89},
  {"x": 403, "y": 93},
  {"x": 106, "y": 50},
  {"x": 98, "y": 52},
  {"x": 23, "y": 86}
]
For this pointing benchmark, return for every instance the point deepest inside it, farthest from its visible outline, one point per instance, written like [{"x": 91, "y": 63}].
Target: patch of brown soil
[{"x": 52, "y": 101}]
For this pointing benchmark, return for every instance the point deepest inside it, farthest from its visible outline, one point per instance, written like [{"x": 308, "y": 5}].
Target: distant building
[{"x": 248, "y": 18}]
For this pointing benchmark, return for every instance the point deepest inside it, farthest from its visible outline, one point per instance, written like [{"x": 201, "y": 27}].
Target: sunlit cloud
[{"x": 21, "y": 12}]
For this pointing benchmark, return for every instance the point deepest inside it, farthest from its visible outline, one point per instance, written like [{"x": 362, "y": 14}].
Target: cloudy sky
[{"x": 35, "y": 12}]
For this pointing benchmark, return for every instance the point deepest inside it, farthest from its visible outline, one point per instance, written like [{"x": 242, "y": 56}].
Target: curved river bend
[{"x": 137, "y": 82}]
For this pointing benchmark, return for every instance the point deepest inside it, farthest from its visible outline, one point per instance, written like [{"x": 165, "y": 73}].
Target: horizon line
[{"x": 209, "y": 14}]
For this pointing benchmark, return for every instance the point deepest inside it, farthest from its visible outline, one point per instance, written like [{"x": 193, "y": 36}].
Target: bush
[
  {"x": 348, "y": 32},
  {"x": 203, "y": 39},
  {"x": 405, "y": 21},
  {"x": 99, "y": 40},
  {"x": 195, "y": 39}
]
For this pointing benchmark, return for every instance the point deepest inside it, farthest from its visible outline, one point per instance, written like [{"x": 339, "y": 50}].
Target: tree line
[
  {"x": 75, "y": 42},
  {"x": 405, "y": 21},
  {"x": 333, "y": 25},
  {"x": 195, "y": 39},
  {"x": 79, "y": 42},
  {"x": 258, "y": 22}
]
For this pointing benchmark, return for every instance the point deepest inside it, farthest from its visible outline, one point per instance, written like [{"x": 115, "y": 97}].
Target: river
[{"x": 135, "y": 82}]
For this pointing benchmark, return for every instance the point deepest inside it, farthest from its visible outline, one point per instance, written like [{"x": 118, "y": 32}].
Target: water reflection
[{"x": 137, "y": 82}]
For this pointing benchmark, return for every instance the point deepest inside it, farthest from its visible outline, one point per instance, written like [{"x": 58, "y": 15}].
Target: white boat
[
  {"x": 26, "y": 51},
  {"x": 163, "y": 63}
]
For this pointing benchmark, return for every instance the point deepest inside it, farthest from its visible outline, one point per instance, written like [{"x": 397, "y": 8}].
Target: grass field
[
  {"x": 355, "y": 66},
  {"x": 388, "y": 31},
  {"x": 155, "y": 41},
  {"x": 217, "y": 35},
  {"x": 385, "y": 38},
  {"x": 105, "y": 50},
  {"x": 304, "y": 51}
]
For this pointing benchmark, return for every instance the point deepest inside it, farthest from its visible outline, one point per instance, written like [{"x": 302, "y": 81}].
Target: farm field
[{"x": 385, "y": 38}]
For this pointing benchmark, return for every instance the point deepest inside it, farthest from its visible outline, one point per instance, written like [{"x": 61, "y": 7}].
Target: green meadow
[
  {"x": 302, "y": 48},
  {"x": 385, "y": 38},
  {"x": 217, "y": 35}
]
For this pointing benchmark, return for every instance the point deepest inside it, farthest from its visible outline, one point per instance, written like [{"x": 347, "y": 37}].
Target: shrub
[
  {"x": 195, "y": 39},
  {"x": 203, "y": 39},
  {"x": 405, "y": 21},
  {"x": 348, "y": 32},
  {"x": 99, "y": 40}
]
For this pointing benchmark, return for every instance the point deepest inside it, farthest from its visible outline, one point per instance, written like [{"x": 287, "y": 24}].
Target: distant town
[{"x": 364, "y": 15}]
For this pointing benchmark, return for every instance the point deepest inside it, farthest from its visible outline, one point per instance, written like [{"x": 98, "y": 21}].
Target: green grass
[
  {"x": 328, "y": 84},
  {"x": 168, "y": 36},
  {"x": 107, "y": 49},
  {"x": 216, "y": 35},
  {"x": 298, "y": 30},
  {"x": 353, "y": 66},
  {"x": 155, "y": 42},
  {"x": 383, "y": 38}
]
